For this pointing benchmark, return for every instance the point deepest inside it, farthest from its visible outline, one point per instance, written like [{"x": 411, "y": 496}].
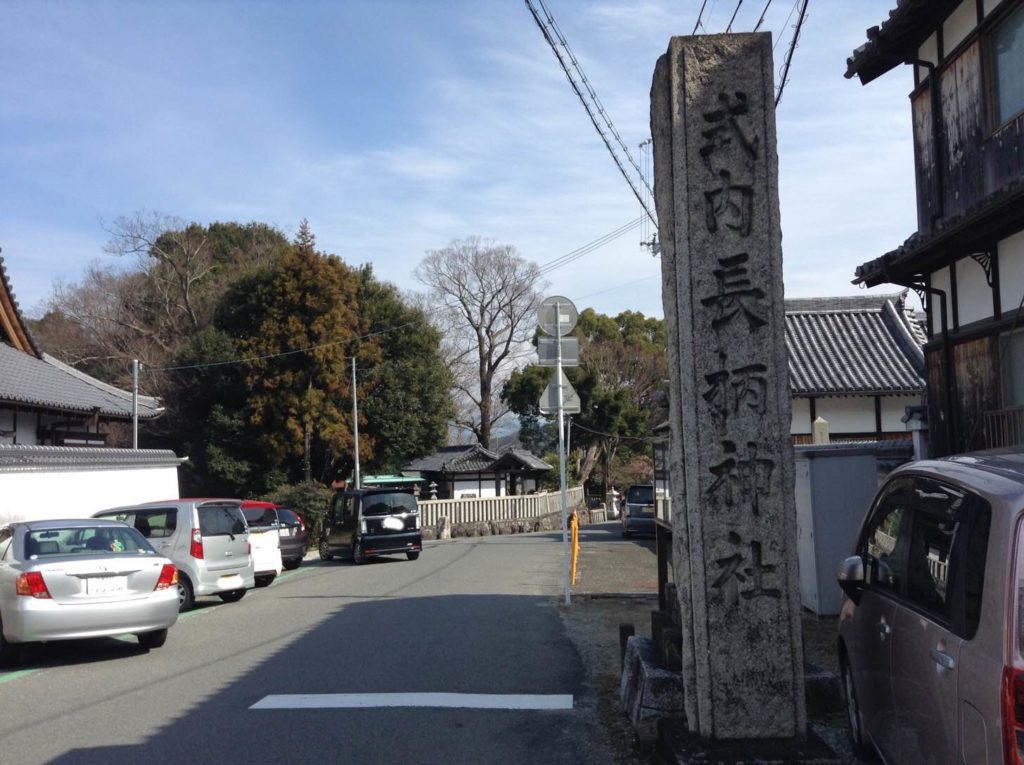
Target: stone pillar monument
[{"x": 716, "y": 189}]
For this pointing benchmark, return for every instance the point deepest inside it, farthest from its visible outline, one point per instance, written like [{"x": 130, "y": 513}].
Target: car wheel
[
  {"x": 325, "y": 550},
  {"x": 150, "y": 640},
  {"x": 358, "y": 556},
  {"x": 264, "y": 581},
  {"x": 10, "y": 653},
  {"x": 413, "y": 555},
  {"x": 232, "y": 596},
  {"x": 293, "y": 564},
  {"x": 857, "y": 742},
  {"x": 186, "y": 596}
]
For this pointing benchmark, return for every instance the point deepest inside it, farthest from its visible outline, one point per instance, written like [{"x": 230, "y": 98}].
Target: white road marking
[{"x": 437, "y": 700}]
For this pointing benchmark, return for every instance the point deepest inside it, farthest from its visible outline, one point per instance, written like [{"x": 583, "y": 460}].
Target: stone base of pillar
[{"x": 677, "y": 746}]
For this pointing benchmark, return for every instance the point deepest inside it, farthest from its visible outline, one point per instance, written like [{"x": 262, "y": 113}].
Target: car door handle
[
  {"x": 943, "y": 659},
  {"x": 883, "y": 630}
]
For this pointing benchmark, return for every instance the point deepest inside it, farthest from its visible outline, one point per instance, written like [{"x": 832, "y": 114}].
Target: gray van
[
  {"x": 207, "y": 539},
  {"x": 931, "y": 632}
]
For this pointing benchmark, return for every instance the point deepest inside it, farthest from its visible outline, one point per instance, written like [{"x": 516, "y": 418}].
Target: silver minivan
[
  {"x": 931, "y": 632},
  {"x": 207, "y": 539}
]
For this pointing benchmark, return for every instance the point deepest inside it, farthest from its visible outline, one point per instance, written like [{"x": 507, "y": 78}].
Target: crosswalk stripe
[{"x": 437, "y": 700}]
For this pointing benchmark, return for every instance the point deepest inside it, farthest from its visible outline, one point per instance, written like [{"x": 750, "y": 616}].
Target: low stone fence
[{"x": 445, "y": 518}]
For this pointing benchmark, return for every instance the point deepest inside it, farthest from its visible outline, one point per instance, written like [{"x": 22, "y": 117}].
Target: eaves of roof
[
  {"x": 997, "y": 216},
  {"x": 12, "y": 324},
  {"x": 895, "y": 41}
]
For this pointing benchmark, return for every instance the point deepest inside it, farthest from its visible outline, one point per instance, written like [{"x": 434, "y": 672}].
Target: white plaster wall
[
  {"x": 34, "y": 495},
  {"x": 801, "y": 422},
  {"x": 940, "y": 281},
  {"x": 1011, "y": 271},
  {"x": 929, "y": 51},
  {"x": 893, "y": 409},
  {"x": 959, "y": 24},
  {"x": 852, "y": 414},
  {"x": 973, "y": 295},
  {"x": 483, "y": 488}
]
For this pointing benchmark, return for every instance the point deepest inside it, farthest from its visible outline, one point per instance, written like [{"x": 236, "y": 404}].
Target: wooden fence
[{"x": 483, "y": 509}]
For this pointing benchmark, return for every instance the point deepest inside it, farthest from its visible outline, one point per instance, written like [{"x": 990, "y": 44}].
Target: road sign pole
[{"x": 561, "y": 458}]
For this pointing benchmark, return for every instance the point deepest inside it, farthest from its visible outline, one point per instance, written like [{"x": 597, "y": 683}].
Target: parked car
[
  {"x": 638, "y": 510},
  {"x": 67, "y": 579},
  {"x": 931, "y": 632},
  {"x": 207, "y": 539},
  {"x": 293, "y": 538},
  {"x": 264, "y": 540},
  {"x": 365, "y": 523}
]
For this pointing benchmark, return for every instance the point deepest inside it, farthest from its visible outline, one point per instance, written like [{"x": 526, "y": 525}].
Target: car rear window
[
  {"x": 221, "y": 520},
  {"x": 287, "y": 516},
  {"x": 640, "y": 495},
  {"x": 260, "y": 516},
  {"x": 90, "y": 540},
  {"x": 389, "y": 504}
]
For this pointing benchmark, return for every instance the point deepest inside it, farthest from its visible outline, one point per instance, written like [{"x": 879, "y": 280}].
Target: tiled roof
[
  {"x": 49, "y": 383},
  {"x": 20, "y": 459},
  {"x": 473, "y": 459},
  {"x": 854, "y": 345},
  {"x": 897, "y": 39}
]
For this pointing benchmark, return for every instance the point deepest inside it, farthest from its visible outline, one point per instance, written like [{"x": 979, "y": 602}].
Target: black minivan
[{"x": 365, "y": 523}]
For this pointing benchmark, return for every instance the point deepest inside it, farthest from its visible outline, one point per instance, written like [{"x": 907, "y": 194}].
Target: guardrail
[{"x": 483, "y": 509}]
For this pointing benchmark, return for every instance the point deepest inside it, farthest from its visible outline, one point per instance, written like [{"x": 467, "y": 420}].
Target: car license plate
[
  {"x": 105, "y": 585},
  {"x": 286, "y": 532}
]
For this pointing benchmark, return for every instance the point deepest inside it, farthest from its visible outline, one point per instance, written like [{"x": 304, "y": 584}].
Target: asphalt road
[{"x": 471, "y": 616}]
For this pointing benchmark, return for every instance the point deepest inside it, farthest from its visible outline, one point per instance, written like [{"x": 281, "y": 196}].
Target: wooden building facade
[{"x": 966, "y": 259}]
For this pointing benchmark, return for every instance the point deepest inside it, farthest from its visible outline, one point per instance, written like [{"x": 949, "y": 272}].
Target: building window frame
[{"x": 1012, "y": 19}]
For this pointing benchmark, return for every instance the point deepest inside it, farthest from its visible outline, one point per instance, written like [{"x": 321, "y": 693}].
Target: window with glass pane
[
  {"x": 932, "y": 536},
  {"x": 883, "y": 546},
  {"x": 1008, "y": 66}
]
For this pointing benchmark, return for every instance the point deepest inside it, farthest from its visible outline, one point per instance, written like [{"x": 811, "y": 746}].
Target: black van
[{"x": 365, "y": 523}]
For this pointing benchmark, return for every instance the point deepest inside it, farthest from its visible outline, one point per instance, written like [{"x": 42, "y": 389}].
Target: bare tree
[{"x": 483, "y": 296}]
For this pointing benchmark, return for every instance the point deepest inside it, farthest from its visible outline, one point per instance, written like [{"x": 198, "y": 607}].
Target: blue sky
[{"x": 396, "y": 127}]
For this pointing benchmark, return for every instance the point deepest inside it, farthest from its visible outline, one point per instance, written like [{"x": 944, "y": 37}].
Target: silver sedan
[{"x": 61, "y": 580}]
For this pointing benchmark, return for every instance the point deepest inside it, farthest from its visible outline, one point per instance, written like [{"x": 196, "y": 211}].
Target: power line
[
  {"x": 728, "y": 29},
  {"x": 760, "y": 21},
  {"x": 789, "y": 53},
  {"x": 700, "y": 15},
  {"x": 579, "y": 82},
  {"x": 578, "y": 253}
]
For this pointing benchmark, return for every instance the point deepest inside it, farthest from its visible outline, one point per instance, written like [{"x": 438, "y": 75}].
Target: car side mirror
[{"x": 851, "y": 577}]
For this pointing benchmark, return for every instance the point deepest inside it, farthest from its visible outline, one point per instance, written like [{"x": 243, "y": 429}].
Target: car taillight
[
  {"x": 31, "y": 583},
  {"x": 250, "y": 548},
  {"x": 168, "y": 577},
  {"x": 362, "y": 526},
  {"x": 1013, "y": 716},
  {"x": 302, "y": 523},
  {"x": 196, "y": 548},
  {"x": 417, "y": 521}
]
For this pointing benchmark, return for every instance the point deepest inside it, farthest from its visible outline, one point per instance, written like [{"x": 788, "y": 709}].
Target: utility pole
[
  {"x": 355, "y": 420},
  {"x": 135, "y": 403}
]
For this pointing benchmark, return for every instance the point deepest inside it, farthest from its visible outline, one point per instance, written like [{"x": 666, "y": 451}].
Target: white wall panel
[
  {"x": 961, "y": 22},
  {"x": 973, "y": 295},
  {"x": 893, "y": 409},
  {"x": 801, "y": 422},
  {"x": 34, "y": 495},
  {"x": 1011, "y": 272},
  {"x": 940, "y": 281},
  {"x": 851, "y": 414}
]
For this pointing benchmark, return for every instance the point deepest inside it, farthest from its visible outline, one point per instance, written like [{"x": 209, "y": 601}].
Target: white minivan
[{"x": 207, "y": 539}]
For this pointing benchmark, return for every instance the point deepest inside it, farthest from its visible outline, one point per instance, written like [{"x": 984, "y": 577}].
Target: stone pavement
[{"x": 612, "y": 565}]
